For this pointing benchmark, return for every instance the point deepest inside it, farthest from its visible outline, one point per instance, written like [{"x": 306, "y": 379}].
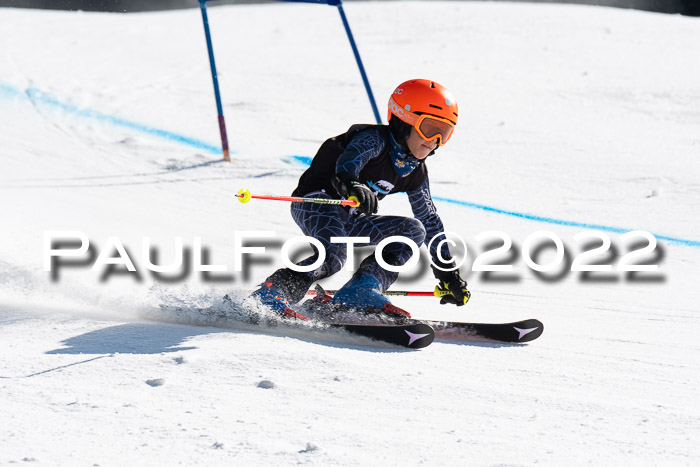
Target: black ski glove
[
  {"x": 452, "y": 288},
  {"x": 364, "y": 195}
]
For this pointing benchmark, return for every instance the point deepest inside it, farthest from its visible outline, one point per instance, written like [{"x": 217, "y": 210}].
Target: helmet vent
[{"x": 434, "y": 106}]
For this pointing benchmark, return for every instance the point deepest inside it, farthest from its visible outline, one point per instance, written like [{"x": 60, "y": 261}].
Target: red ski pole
[
  {"x": 244, "y": 196},
  {"x": 391, "y": 293}
]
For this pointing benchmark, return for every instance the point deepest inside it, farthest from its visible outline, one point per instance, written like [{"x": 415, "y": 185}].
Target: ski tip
[
  {"x": 419, "y": 336},
  {"x": 528, "y": 330},
  {"x": 410, "y": 336}
]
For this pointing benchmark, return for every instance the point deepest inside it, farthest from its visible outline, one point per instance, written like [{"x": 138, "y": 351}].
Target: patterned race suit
[{"x": 370, "y": 154}]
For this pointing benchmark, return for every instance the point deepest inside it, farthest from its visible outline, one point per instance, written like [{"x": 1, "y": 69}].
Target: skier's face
[{"x": 419, "y": 147}]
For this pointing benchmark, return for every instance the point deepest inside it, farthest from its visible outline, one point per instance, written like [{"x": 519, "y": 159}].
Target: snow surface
[{"x": 570, "y": 116}]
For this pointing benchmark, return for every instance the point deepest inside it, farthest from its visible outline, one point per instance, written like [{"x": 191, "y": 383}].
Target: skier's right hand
[{"x": 365, "y": 196}]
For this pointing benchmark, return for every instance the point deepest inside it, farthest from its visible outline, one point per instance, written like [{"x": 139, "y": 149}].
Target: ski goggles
[{"x": 429, "y": 127}]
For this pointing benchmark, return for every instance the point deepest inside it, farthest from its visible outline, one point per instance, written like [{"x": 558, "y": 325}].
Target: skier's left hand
[{"x": 452, "y": 288}]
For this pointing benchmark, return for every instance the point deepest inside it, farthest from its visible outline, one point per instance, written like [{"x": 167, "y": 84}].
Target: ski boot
[
  {"x": 271, "y": 297},
  {"x": 278, "y": 290},
  {"x": 363, "y": 294}
]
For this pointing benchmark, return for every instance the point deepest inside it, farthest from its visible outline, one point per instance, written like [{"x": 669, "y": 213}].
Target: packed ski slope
[{"x": 571, "y": 118}]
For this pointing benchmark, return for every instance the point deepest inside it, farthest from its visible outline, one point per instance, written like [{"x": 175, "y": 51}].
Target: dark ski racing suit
[{"x": 369, "y": 154}]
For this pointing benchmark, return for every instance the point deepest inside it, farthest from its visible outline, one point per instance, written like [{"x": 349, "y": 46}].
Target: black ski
[
  {"x": 412, "y": 336},
  {"x": 516, "y": 332},
  {"x": 392, "y": 325},
  {"x": 408, "y": 335}
]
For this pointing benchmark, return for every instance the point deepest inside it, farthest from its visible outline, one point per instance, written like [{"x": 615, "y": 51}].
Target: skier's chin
[{"x": 423, "y": 151}]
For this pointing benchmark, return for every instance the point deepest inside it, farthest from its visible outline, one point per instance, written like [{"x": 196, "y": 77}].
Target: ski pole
[
  {"x": 244, "y": 196},
  {"x": 391, "y": 293}
]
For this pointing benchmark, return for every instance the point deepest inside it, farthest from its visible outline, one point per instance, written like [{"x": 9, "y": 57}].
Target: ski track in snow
[{"x": 570, "y": 112}]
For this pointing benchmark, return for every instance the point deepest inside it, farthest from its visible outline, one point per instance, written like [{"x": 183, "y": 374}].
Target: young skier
[{"x": 369, "y": 162}]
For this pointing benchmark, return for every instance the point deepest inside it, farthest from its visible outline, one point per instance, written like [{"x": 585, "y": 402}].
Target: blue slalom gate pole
[
  {"x": 215, "y": 79},
  {"x": 355, "y": 51},
  {"x": 358, "y": 59}
]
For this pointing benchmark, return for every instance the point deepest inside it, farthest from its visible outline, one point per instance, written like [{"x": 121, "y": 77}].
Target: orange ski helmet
[{"x": 427, "y": 106}]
